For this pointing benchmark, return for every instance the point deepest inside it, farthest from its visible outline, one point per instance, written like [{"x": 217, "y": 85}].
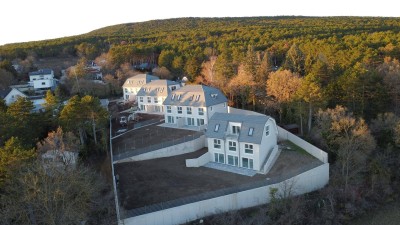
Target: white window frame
[
  {"x": 248, "y": 148},
  {"x": 169, "y": 109},
  {"x": 217, "y": 143},
  {"x": 179, "y": 109},
  {"x": 190, "y": 121},
  {"x": 219, "y": 158},
  {"x": 235, "y": 129},
  {"x": 232, "y": 146},
  {"x": 235, "y": 160},
  {"x": 201, "y": 111},
  {"x": 267, "y": 130},
  {"x": 200, "y": 122},
  {"x": 250, "y": 163},
  {"x": 189, "y": 110},
  {"x": 170, "y": 119}
]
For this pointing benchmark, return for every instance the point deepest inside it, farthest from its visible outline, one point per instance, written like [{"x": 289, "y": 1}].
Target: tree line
[{"x": 336, "y": 77}]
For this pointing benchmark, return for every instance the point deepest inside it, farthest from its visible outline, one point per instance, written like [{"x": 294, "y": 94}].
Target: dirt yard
[
  {"x": 148, "y": 182},
  {"x": 147, "y": 136}
]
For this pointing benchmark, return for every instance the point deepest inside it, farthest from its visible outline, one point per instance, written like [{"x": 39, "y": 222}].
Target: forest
[{"x": 336, "y": 78}]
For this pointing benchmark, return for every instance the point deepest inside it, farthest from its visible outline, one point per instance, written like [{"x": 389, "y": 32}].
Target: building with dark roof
[
  {"x": 152, "y": 95},
  {"x": 193, "y": 105},
  {"x": 42, "y": 79},
  {"x": 247, "y": 141},
  {"x": 133, "y": 84}
]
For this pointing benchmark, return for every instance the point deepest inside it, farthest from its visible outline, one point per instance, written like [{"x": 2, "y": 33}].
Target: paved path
[{"x": 231, "y": 169}]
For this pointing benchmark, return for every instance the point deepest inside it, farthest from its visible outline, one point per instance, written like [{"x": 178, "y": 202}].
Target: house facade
[
  {"x": 246, "y": 141},
  {"x": 13, "y": 95},
  {"x": 42, "y": 79},
  {"x": 133, "y": 84},
  {"x": 193, "y": 105},
  {"x": 151, "y": 96}
]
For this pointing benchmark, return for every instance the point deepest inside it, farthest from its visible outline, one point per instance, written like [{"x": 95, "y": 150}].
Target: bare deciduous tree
[{"x": 36, "y": 195}]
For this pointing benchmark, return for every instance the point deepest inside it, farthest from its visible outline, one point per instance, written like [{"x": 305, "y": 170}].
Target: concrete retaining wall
[
  {"x": 308, "y": 181},
  {"x": 314, "y": 151},
  {"x": 179, "y": 149},
  {"x": 201, "y": 161}
]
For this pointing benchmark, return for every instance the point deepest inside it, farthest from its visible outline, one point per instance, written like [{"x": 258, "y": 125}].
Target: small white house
[
  {"x": 151, "y": 96},
  {"x": 133, "y": 84},
  {"x": 42, "y": 79},
  {"x": 13, "y": 95},
  {"x": 248, "y": 141},
  {"x": 193, "y": 105}
]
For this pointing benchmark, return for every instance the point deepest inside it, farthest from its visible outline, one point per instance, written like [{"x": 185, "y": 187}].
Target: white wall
[
  {"x": 314, "y": 151},
  {"x": 201, "y": 161},
  {"x": 271, "y": 160},
  {"x": 268, "y": 142},
  {"x": 308, "y": 181},
  {"x": 13, "y": 96},
  {"x": 184, "y": 115},
  {"x": 255, "y": 156},
  {"x": 43, "y": 83},
  {"x": 183, "y": 148}
]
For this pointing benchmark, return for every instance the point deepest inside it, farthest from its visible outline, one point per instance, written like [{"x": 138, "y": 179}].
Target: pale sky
[{"x": 29, "y": 20}]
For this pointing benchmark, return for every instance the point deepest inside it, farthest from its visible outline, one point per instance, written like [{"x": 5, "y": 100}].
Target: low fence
[
  {"x": 163, "y": 147},
  {"x": 271, "y": 159},
  {"x": 195, "y": 207},
  {"x": 201, "y": 161},
  {"x": 314, "y": 151}
]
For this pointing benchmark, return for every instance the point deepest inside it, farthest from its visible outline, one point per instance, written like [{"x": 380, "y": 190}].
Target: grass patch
[{"x": 291, "y": 146}]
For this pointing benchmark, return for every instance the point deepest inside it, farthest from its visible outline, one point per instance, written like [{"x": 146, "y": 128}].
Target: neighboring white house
[
  {"x": 133, "y": 84},
  {"x": 193, "y": 105},
  {"x": 248, "y": 141},
  {"x": 13, "y": 95},
  {"x": 42, "y": 79},
  {"x": 151, "y": 96}
]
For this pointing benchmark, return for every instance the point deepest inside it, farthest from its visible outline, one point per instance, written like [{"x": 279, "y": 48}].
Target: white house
[
  {"x": 248, "y": 141},
  {"x": 193, "y": 105},
  {"x": 151, "y": 96},
  {"x": 42, "y": 79},
  {"x": 13, "y": 95},
  {"x": 133, "y": 84}
]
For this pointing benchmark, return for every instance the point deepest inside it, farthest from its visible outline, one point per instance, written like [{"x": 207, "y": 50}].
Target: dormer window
[
  {"x": 214, "y": 95},
  {"x": 216, "y": 127},
  {"x": 235, "y": 129},
  {"x": 251, "y": 129},
  {"x": 179, "y": 97},
  {"x": 173, "y": 96},
  {"x": 191, "y": 97},
  {"x": 197, "y": 97}
]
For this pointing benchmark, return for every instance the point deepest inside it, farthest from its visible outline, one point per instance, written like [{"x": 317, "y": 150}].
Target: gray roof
[
  {"x": 41, "y": 72},
  {"x": 4, "y": 93},
  {"x": 257, "y": 122},
  {"x": 139, "y": 80},
  {"x": 196, "y": 95},
  {"x": 157, "y": 88}
]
